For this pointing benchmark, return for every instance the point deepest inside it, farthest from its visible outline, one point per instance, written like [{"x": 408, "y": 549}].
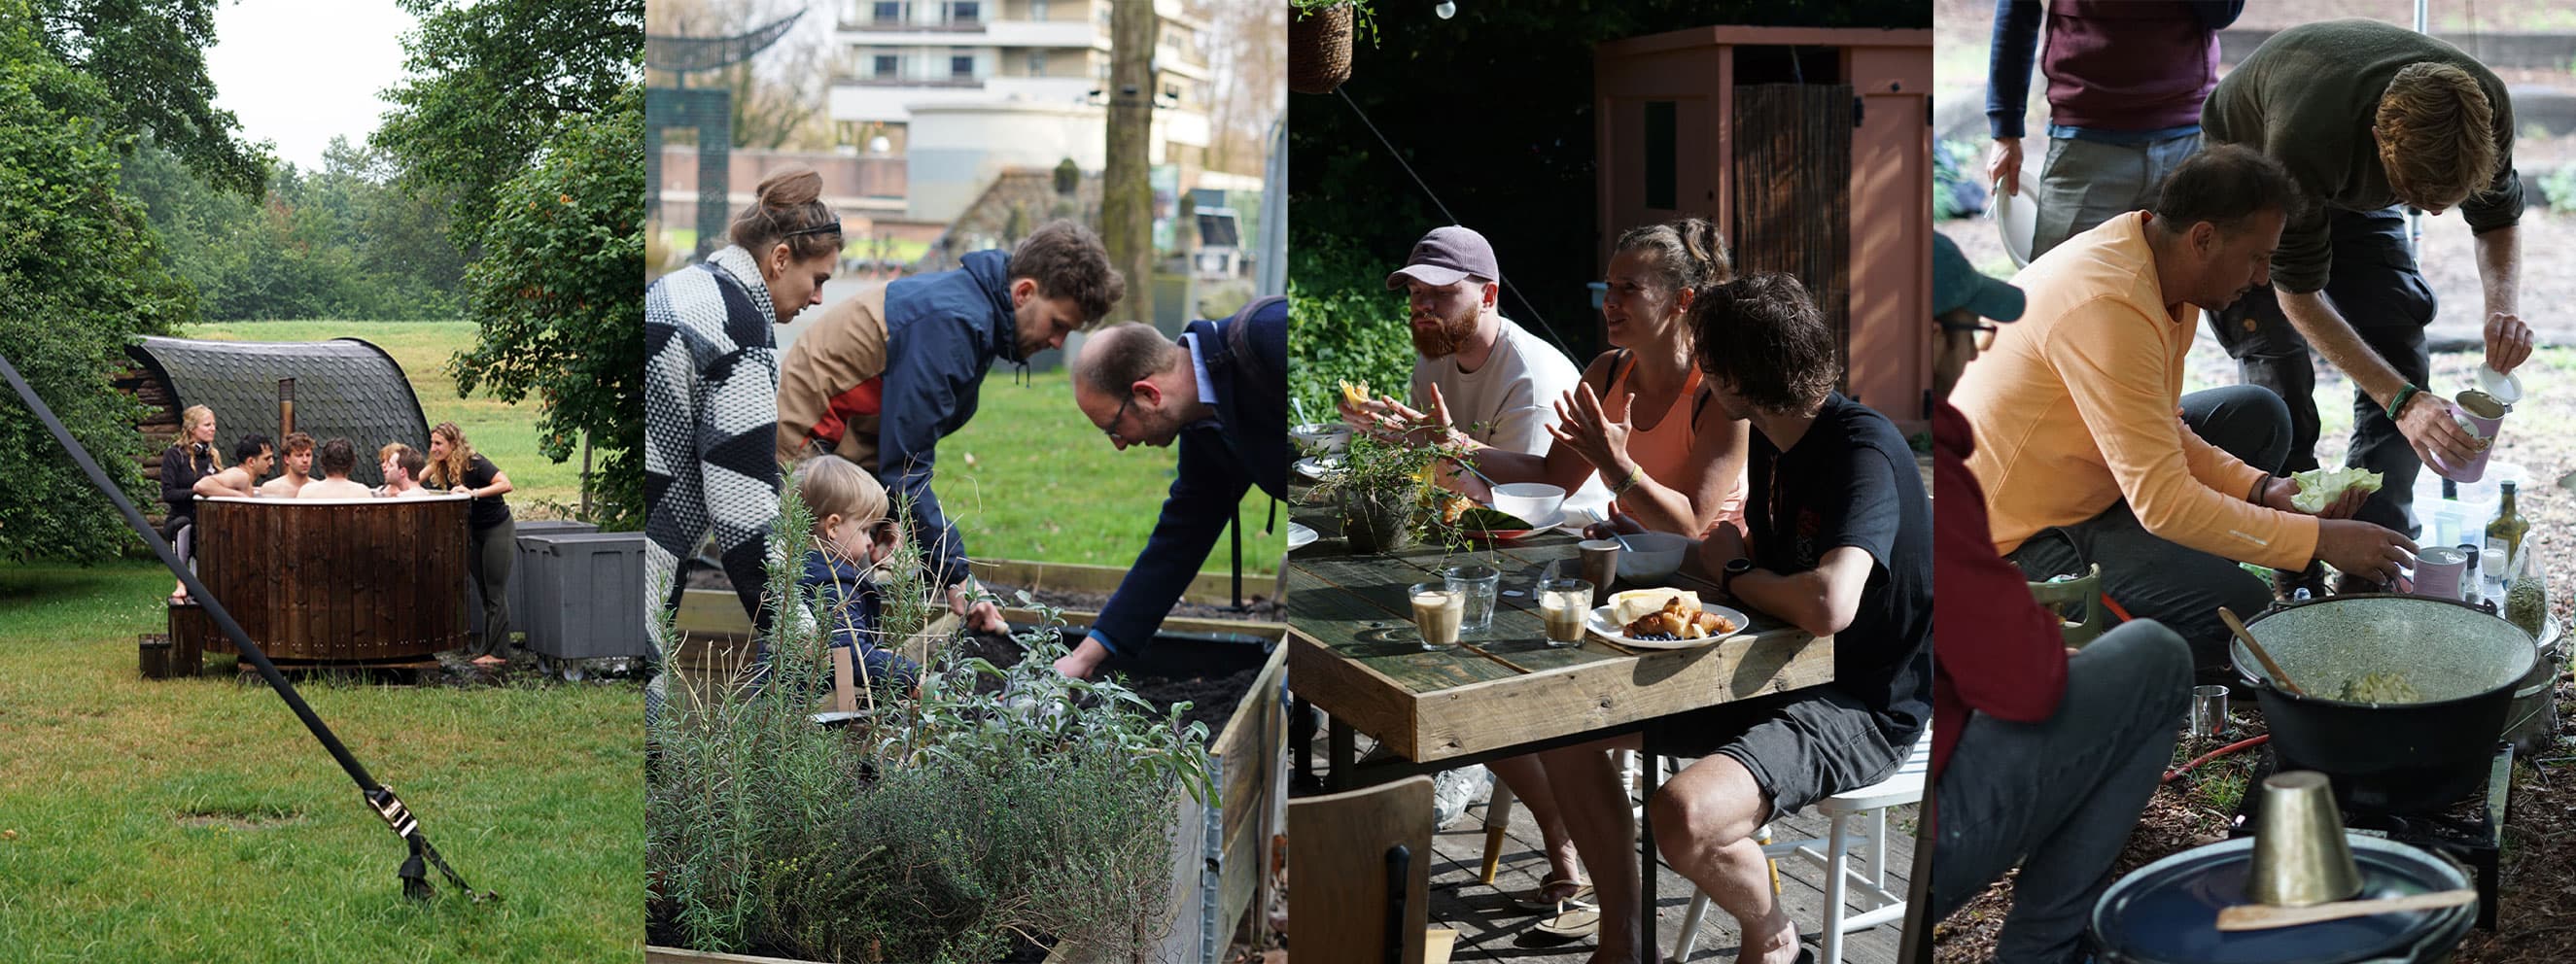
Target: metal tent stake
[{"x": 380, "y": 798}]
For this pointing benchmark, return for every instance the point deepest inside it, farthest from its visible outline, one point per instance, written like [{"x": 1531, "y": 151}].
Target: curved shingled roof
[{"x": 344, "y": 387}]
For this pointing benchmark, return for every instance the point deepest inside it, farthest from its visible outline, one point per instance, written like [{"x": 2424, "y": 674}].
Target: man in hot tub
[{"x": 337, "y": 459}]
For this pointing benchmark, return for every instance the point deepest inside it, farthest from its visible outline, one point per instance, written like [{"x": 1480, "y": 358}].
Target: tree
[
  {"x": 493, "y": 81},
  {"x": 556, "y": 291},
  {"x": 79, "y": 275},
  {"x": 1127, "y": 195},
  {"x": 149, "y": 59}
]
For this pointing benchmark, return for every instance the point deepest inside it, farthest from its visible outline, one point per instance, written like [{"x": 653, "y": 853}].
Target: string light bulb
[{"x": 1446, "y": 9}]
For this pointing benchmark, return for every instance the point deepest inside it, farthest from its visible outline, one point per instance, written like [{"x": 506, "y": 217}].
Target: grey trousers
[
  {"x": 2152, "y": 578},
  {"x": 2376, "y": 288},
  {"x": 2085, "y": 183},
  {"x": 2060, "y": 797},
  {"x": 487, "y": 562}
]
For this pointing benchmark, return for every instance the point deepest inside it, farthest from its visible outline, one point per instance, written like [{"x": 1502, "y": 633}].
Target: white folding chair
[{"x": 1843, "y": 882}]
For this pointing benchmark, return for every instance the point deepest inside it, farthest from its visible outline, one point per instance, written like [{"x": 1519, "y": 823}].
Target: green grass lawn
[
  {"x": 1045, "y": 484},
  {"x": 507, "y": 434},
  {"x": 194, "y": 820}
]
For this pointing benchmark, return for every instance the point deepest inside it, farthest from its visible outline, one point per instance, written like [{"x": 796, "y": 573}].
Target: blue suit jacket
[
  {"x": 1245, "y": 445},
  {"x": 943, "y": 332}
]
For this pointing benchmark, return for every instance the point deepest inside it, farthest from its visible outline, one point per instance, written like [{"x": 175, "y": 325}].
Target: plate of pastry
[{"x": 1664, "y": 619}]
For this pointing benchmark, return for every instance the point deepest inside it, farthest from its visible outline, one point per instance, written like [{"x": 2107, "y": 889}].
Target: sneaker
[{"x": 1453, "y": 790}]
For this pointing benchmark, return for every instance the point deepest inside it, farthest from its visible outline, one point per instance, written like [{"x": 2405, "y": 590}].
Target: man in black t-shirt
[{"x": 1841, "y": 546}]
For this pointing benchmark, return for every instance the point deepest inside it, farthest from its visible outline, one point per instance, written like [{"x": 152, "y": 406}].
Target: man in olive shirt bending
[{"x": 2368, "y": 117}]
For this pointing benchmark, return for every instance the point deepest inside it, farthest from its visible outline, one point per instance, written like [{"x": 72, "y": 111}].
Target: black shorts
[{"x": 1801, "y": 746}]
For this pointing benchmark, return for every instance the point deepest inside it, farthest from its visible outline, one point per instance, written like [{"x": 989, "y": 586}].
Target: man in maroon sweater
[
  {"x": 2055, "y": 755},
  {"x": 2125, "y": 83}
]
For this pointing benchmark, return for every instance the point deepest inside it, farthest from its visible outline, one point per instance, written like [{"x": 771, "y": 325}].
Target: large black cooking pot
[{"x": 2400, "y": 758}]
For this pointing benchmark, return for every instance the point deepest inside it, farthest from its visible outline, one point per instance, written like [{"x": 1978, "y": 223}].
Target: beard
[{"x": 1447, "y": 335}]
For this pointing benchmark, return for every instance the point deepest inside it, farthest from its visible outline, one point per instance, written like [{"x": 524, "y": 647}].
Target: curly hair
[
  {"x": 337, "y": 457},
  {"x": 449, "y": 472},
  {"x": 1763, "y": 335},
  {"x": 2436, "y": 134},
  {"x": 1068, "y": 261}
]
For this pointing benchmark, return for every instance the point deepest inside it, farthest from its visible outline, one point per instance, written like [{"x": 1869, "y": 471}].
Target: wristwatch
[{"x": 1726, "y": 578}]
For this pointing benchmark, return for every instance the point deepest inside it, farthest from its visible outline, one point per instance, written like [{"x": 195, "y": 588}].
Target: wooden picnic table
[{"x": 1502, "y": 693}]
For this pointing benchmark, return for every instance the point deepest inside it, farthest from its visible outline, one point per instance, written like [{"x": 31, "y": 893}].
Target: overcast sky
[{"x": 297, "y": 72}]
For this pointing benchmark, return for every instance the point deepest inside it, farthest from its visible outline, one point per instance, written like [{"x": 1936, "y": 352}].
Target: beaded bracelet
[{"x": 2398, "y": 404}]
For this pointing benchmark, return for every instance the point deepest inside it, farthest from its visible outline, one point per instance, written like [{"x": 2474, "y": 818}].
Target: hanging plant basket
[{"x": 1319, "y": 49}]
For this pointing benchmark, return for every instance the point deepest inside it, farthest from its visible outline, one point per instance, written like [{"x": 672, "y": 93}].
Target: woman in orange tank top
[{"x": 1672, "y": 461}]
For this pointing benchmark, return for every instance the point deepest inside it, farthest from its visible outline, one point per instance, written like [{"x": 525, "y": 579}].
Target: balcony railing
[{"x": 872, "y": 80}]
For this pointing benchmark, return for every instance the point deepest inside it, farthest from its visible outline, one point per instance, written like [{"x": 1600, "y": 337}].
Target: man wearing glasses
[
  {"x": 2078, "y": 448},
  {"x": 1221, "y": 391},
  {"x": 887, "y": 373}
]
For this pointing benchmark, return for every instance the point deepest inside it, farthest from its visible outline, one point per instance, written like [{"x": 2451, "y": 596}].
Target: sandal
[
  {"x": 1573, "y": 921},
  {"x": 1539, "y": 899}
]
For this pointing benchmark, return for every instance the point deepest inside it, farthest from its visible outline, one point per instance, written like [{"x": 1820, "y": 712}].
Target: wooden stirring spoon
[
  {"x": 2255, "y": 917},
  {"x": 2238, "y": 627}
]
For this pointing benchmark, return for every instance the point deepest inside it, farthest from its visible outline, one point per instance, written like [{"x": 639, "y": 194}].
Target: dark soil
[
  {"x": 1257, "y": 607},
  {"x": 1212, "y": 699}
]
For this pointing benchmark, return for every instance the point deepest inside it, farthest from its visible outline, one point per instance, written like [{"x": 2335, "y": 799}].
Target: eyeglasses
[
  {"x": 1112, "y": 428},
  {"x": 1985, "y": 333}
]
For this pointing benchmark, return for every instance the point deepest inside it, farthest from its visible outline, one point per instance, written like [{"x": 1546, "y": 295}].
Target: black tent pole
[{"x": 379, "y": 798}]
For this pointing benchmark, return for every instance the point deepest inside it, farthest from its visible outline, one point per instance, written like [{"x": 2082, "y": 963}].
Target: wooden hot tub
[{"x": 336, "y": 579}]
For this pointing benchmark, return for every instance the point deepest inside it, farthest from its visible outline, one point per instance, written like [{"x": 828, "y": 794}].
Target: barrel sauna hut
[{"x": 321, "y": 579}]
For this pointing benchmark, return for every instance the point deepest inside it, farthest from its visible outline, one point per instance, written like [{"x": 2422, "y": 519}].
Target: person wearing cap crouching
[
  {"x": 2055, "y": 752},
  {"x": 2079, "y": 451}
]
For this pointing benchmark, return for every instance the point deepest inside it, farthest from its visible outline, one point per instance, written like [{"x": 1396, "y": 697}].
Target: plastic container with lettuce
[{"x": 2319, "y": 488}]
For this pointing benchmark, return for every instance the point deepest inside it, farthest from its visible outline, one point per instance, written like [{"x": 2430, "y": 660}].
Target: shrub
[
  {"x": 80, "y": 274},
  {"x": 1000, "y": 801},
  {"x": 1343, "y": 325},
  {"x": 555, "y": 296}
]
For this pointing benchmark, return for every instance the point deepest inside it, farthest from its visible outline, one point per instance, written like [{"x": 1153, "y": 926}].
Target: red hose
[{"x": 2214, "y": 754}]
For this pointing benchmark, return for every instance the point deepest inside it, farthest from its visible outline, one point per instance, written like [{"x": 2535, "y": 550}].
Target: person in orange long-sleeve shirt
[
  {"x": 2080, "y": 453},
  {"x": 2054, "y": 756}
]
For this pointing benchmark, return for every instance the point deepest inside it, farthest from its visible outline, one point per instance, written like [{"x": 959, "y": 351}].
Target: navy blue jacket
[
  {"x": 1244, "y": 445},
  {"x": 851, "y": 612},
  {"x": 943, "y": 332}
]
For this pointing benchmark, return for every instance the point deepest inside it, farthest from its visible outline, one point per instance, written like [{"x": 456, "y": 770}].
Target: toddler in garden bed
[{"x": 855, "y": 538}]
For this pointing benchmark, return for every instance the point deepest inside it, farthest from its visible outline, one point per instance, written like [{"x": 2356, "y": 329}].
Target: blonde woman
[
  {"x": 190, "y": 457},
  {"x": 455, "y": 467}
]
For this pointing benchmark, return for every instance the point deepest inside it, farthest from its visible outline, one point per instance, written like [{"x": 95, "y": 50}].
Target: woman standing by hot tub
[
  {"x": 190, "y": 457},
  {"x": 455, "y": 467}
]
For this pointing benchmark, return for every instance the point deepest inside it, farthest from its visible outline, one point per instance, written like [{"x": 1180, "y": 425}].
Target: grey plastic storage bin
[
  {"x": 585, "y": 594},
  {"x": 519, "y": 565}
]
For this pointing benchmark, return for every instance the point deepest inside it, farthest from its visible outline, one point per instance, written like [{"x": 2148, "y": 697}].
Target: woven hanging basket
[{"x": 1319, "y": 50}]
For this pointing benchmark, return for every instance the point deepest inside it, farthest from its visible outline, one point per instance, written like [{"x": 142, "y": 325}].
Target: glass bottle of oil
[{"x": 2507, "y": 530}]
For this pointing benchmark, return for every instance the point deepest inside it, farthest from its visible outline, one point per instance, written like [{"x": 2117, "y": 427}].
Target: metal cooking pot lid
[{"x": 2167, "y": 911}]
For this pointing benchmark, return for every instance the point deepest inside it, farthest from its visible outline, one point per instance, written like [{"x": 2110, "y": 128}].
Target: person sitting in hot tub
[
  {"x": 853, "y": 540},
  {"x": 251, "y": 456},
  {"x": 337, "y": 457},
  {"x": 402, "y": 465}
]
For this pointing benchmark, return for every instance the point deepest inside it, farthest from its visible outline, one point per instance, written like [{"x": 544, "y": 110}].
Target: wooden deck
[{"x": 1491, "y": 928}]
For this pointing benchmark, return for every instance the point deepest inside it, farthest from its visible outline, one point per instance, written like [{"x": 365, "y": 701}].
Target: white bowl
[
  {"x": 1530, "y": 501},
  {"x": 1650, "y": 556},
  {"x": 1322, "y": 436}
]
